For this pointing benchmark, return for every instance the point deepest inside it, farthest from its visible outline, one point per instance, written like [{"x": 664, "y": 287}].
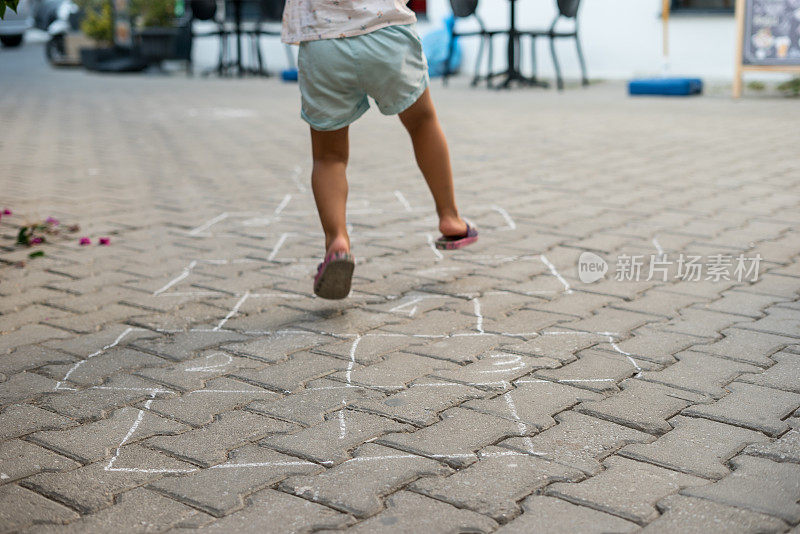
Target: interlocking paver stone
[
  {"x": 329, "y": 442},
  {"x": 408, "y": 512},
  {"x": 455, "y": 438},
  {"x": 751, "y": 406},
  {"x": 700, "y": 373},
  {"x": 578, "y": 441},
  {"x": 94, "y": 441},
  {"x": 373, "y": 472},
  {"x": 549, "y": 514},
  {"x": 696, "y": 446},
  {"x": 19, "y": 459},
  {"x": 22, "y": 508},
  {"x": 641, "y": 405},
  {"x": 214, "y": 251},
  {"x": 210, "y": 444},
  {"x": 698, "y": 516},
  {"x": 626, "y": 488},
  {"x": 533, "y": 402},
  {"x": 221, "y": 489},
  {"x": 783, "y": 375},
  {"x": 757, "y": 484},
  {"x": 493, "y": 485}
]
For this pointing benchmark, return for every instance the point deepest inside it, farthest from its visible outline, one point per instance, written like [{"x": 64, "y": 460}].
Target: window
[
  {"x": 703, "y": 6},
  {"x": 420, "y": 7}
]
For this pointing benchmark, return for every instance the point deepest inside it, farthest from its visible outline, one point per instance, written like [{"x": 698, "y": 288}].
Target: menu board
[{"x": 771, "y": 33}]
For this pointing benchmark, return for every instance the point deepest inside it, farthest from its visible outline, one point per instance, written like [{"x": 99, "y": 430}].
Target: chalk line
[
  {"x": 509, "y": 221},
  {"x": 278, "y": 246},
  {"x": 433, "y": 247},
  {"x": 92, "y": 355},
  {"x": 555, "y": 273},
  {"x": 402, "y": 200},
  {"x": 208, "y": 224}
]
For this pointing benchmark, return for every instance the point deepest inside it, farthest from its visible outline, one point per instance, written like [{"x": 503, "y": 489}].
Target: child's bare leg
[
  {"x": 330, "y": 151},
  {"x": 433, "y": 158}
]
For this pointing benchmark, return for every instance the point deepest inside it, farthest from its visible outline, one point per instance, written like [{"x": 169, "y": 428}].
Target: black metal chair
[
  {"x": 270, "y": 12},
  {"x": 567, "y": 9},
  {"x": 463, "y": 9}
]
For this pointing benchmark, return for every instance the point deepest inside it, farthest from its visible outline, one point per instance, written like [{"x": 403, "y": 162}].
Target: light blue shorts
[{"x": 337, "y": 75}]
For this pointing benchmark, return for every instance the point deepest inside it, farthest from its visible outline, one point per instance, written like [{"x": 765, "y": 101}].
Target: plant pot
[
  {"x": 93, "y": 57},
  {"x": 156, "y": 44}
]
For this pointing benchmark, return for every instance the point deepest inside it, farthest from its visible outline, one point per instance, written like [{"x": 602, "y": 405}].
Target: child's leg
[
  {"x": 433, "y": 158},
  {"x": 330, "y": 151}
]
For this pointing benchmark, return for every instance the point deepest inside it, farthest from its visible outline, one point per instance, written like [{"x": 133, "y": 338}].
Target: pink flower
[
  {"x": 37, "y": 240},
  {"x": 105, "y": 241},
  {"x": 52, "y": 220},
  {"x": 7, "y": 212},
  {"x": 85, "y": 241}
]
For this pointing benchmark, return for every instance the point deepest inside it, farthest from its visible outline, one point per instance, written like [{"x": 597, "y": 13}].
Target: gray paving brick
[
  {"x": 24, "y": 386},
  {"x": 421, "y": 403},
  {"x": 697, "y": 447},
  {"x": 549, "y": 514},
  {"x": 293, "y": 373},
  {"x": 563, "y": 348},
  {"x": 746, "y": 346},
  {"x": 28, "y": 334},
  {"x": 783, "y": 375},
  {"x": 751, "y": 406},
  {"x": 85, "y": 323},
  {"x": 778, "y": 321},
  {"x": 329, "y": 442},
  {"x": 310, "y": 405},
  {"x": 594, "y": 370},
  {"x": 663, "y": 303},
  {"x": 97, "y": 368},
  {"x": 22, "y": 508},
  {"x": 408, "y": 512},
  {"x": 137, "y": 510},
  {"x": 784, "y": 449},
  {"x": 578, "y": 441},
  {"x": 533, "y": 402},
  {"x": 655, "y": 345},
  {"x": 460, "y": 350},
  {"x": 641, "y": 405},
  {"x": 183, "y": 346},
  {"x": 700, "y": 323},
  {"x": 276, "y": 347},
  {"x": 200, "y": 406},
  {"x": 578, "y": 303},
  {"x": 700, "y": 373},
  {"x": 742, "y": 303},
  {"x": 610, "y": 320},
  {"x": 222, "y": 489},
  {"x": 456, "y": 438},
  {"x": 192, "y": 374},
  {"x": 493, "y": 485},
  {"x": 19, "y": 459},
  {"x": 759, "y": 485},
  {"x": 394, "y": 372},
  {"x": 698, "y": 516},
  {"x": 373, "y": 472},
  {"x": 21, "y": 419},
  {"x": 30, "y": 357},
  {"x": 32, "y": 314},
  {"x": 209, "y": 445},
  {"x": 275, "y": 511},
  {"x": 98, "y": 402},
  {"x": 94, "y": 441},
  {"x": 523, "y": 322},
  {"x": 626, "y": 488},
  {"x": 93, "y": 487}
]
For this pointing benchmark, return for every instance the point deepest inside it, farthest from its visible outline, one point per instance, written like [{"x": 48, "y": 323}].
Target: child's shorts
[{"x": 336, "y": 75}]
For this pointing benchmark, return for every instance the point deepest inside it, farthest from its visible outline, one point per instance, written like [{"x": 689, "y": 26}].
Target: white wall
[{"x": 621, "y": 39}]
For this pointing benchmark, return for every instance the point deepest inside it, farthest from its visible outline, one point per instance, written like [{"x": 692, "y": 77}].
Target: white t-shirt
[{"x": 310, "y": 20}]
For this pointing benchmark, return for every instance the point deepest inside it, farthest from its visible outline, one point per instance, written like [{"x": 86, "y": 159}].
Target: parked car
[{"x": 13, "y": 25}]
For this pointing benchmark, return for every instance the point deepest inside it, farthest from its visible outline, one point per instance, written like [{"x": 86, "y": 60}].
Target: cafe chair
[
  {"x": 463, "y": 9},
  {"x": 270, "y": 13},
  {"x": 567, "y": 9}
]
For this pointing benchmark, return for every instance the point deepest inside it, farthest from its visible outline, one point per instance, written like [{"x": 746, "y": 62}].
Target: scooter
[{"x": 59, "y": 18}]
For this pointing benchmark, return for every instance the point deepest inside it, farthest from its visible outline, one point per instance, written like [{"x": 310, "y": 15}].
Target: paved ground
[{"x": 184, "y": 378}]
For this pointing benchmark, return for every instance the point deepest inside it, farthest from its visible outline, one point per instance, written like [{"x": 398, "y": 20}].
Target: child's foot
[
  {"x": 334, "y": 276},
  {"x": 447, "y": 241}
]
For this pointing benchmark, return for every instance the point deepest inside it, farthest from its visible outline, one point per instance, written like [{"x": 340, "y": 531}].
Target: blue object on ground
[
  {"x": 289, "y": 75},
  {"x": 436, "y": 46},
  {"x": 666, "y": 86}
]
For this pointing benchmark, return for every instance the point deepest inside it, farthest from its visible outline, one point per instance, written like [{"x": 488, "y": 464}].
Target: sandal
[
  {"x": 453, "y": 242},
  {"x": 334, "y": 276}
]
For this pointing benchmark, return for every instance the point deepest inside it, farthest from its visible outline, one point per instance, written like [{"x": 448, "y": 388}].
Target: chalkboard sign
[
  {"x": 768, "y": 37},
  {"x": 772, "y": 32}
]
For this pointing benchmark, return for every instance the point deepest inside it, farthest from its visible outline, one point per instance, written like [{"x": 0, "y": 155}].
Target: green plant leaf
[{"x": 37, "y": 254}]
